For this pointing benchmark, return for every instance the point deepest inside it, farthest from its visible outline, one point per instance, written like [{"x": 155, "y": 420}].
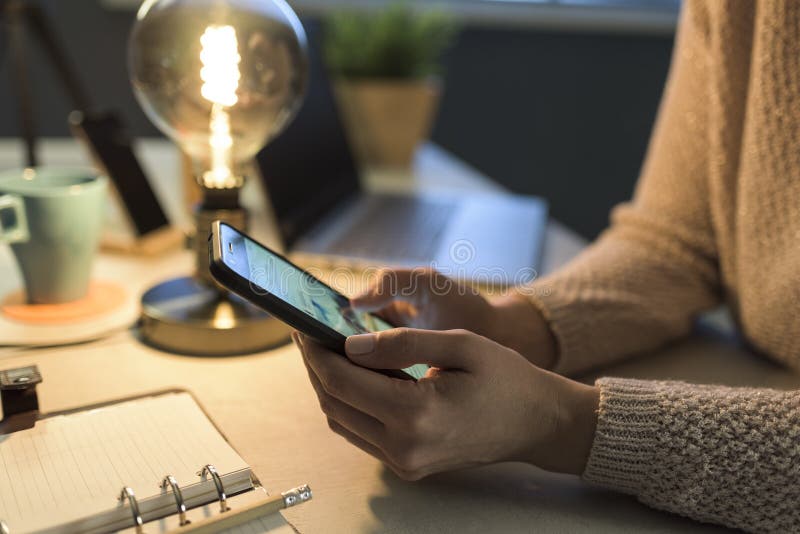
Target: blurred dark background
[{"x": 557, "y": 112}]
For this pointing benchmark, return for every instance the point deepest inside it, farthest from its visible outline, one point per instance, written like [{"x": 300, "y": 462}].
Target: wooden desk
[{"x": 267, "y": 409}]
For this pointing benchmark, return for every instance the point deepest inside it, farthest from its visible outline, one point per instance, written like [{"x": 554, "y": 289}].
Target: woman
[{"x": 716, "y": 217}]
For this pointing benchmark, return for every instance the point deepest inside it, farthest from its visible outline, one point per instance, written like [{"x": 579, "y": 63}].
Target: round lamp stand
[
  {"x": 187, "y": 316},
  {"x": 193, "y": 315}
]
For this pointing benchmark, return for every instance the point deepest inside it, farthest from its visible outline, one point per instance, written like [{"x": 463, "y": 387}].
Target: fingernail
[{"x": 360, "y": 345}]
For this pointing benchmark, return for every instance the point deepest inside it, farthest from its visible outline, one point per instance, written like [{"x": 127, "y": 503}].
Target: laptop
[{"x": 325, "y": 215}]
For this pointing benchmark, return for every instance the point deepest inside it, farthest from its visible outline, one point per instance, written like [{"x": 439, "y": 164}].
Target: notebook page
[
  {"x": 270, "y": 524},
  {"x": 71, "y": 466}
]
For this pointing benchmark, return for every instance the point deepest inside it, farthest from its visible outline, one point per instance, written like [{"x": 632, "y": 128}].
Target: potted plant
[{"x": 386, "y": 67}]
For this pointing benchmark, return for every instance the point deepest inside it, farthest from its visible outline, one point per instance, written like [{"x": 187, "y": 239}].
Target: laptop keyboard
[{"x": 405, "y": 229}]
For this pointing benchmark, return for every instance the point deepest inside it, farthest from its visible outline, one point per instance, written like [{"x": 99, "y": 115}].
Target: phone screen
[{"x": 271, "y": 273}]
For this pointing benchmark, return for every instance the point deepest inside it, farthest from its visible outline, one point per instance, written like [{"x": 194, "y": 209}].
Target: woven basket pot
[{"x": 386, "y": 120}]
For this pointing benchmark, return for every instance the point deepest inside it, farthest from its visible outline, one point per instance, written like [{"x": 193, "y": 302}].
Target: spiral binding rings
[
  {"x": 290, "y": 498},
  {"x": 128, "y": 494},
  {"x": 169, "y": 481},
  {"x": 223, "y": 499}
]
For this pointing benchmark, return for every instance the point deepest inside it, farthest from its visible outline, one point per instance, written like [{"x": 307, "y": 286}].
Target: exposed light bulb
[{"x": 220, "y": 77}]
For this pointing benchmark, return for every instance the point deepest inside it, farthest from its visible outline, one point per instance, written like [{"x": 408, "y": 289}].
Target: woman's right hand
[{"x": 424, "y": 298}]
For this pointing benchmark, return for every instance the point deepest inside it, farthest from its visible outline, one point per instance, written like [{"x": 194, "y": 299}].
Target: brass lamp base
[
  {"x": 193, "y": 315},
  {"x": 188, "y": 316}
]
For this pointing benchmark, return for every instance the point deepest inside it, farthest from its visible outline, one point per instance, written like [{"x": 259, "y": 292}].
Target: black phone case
[{"x": 298, "y": 320}]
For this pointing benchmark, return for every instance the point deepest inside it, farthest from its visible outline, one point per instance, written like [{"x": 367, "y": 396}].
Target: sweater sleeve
[
  {"x": 715, "y": 454},
  {"x": 655, "y": 269}
]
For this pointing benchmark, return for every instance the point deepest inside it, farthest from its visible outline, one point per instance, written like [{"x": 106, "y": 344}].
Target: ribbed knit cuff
[
  {"x": 624, "y": 445},
  {"x": 557, "y": 307}
]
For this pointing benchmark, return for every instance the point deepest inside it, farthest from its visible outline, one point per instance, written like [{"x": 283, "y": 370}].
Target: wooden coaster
[{"x": 102, "y": 298}]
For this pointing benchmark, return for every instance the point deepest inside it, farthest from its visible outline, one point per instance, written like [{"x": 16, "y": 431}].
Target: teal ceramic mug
[{"x": 52, "y": 218}]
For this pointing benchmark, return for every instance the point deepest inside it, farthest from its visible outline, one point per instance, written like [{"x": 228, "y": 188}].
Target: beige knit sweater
[{"x": 716, "y": 216}]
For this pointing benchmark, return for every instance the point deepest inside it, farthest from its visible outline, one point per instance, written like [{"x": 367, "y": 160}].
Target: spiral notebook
[{"x": 66, "y": 473}]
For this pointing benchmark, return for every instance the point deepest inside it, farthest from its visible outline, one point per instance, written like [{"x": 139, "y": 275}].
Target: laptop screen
[{"x": 309, "y": 168}]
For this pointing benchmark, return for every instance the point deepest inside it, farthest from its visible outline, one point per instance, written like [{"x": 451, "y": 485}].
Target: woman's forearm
[
  {"x": 646, "y": 279},
  {"x": 723, "y": 455}
]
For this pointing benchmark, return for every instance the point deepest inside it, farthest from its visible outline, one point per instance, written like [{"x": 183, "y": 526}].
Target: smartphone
[{"x": 296, "y": 297}]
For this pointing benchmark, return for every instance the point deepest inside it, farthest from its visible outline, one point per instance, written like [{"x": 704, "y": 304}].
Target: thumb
[{"x": 403, "y": 347}]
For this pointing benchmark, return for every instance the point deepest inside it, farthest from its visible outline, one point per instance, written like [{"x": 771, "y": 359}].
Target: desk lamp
[{"x": 221, "y": 78}]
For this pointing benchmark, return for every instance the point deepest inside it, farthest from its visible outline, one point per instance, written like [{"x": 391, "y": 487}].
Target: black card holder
[{"x": 19, "y": 399}]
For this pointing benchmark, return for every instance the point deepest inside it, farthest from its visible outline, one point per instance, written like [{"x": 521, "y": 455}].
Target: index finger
[
  {"x": 410, "y": 285},
  {"x": 365, "y": 390}
]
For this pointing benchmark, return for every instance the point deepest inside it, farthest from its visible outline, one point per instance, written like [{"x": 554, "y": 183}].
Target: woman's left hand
[{"x": 479, "y": 403}]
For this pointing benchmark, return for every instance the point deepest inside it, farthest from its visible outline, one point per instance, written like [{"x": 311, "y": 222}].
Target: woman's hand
[
  {"x": 425, "y": 298},
  {"x": 479, "y": 403}
]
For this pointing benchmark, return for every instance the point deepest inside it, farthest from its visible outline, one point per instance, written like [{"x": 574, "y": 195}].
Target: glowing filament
[{"x": 220, "y": 74}]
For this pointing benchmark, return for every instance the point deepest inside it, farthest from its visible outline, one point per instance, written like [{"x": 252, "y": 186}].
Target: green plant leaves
[{"x": 396, "y": 43}]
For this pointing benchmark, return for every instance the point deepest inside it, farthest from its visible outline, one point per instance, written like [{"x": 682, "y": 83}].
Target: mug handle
[{"x": 17, "y": 232}]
